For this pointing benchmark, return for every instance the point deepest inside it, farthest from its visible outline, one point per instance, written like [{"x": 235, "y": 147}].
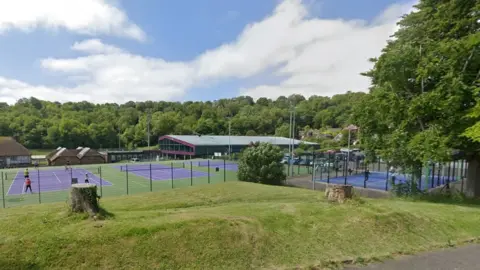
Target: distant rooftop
[{"x": 233, "y": 140}]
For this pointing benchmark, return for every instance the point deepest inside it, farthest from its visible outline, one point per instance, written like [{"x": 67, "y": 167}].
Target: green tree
[
  {"x": 43, "y": 124},
  {"x": 424, "y": 89},
  {"x": 260, "y": 163}
]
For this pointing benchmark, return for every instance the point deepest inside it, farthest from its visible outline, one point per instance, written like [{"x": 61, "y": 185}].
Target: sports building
[{"x": 206, "y": 146}]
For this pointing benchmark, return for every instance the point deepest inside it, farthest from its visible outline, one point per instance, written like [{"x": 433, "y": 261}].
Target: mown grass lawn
[{"x": 230, "y": 225}]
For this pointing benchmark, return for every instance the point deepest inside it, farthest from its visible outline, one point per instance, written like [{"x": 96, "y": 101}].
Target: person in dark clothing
[
  {"x": 67, "y": 166},
  {"x": 86, "y": 179},
  {"x": 367, "y": 174}
]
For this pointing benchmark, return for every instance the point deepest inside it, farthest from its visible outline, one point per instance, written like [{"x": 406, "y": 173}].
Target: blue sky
[{"x": 179, "y": 33}]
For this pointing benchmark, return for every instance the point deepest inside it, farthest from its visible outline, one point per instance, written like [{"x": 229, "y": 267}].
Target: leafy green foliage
[
  {"x": 425, "y": 87},
  {"x": 260, "y": 163},
  {"x": 41, "y": 124}
]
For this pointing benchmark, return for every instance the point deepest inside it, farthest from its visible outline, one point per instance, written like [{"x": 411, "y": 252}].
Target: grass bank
[{"x": 227, "y": 226}]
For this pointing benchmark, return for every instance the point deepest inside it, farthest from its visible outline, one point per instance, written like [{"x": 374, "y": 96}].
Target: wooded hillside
[{"x": 42, "y": 124}]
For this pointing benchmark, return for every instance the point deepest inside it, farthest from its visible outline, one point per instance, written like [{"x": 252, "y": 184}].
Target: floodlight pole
[
  {"x": 149, "y": 118},
  {"x": 290, "y": 136},
  {"x": 229, "y": 134},
  {"x": 293, "y": 132},
  {"x": 348, "y": 154}
]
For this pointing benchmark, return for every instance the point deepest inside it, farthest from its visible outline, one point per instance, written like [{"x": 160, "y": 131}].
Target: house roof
[
  {"x": 232, "y": 140},
  {"x": 10, "y": 147},
  {"x": 78, "y": 153}
]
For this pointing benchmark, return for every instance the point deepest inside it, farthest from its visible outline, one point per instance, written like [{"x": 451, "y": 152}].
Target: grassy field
[{"x": 229, "y": 225}]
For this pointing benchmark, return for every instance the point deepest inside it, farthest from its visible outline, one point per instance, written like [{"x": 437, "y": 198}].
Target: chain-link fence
[
  {"x": 52, "y": 184},
  {"x": 378, "y": 174}
]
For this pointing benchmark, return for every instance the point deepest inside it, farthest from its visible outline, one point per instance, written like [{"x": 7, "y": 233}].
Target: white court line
[
  {"x": 97, "y": 176},
  {"x": 57, "y": 177},
  {"x": 13, "y": 180}
]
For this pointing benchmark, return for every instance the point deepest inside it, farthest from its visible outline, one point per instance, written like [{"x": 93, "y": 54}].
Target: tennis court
[
  {"x": 52, "y": 180},
  {"x": 384, "y": 180},
  {"x": 159, "y": 172},
  {"x": 230, "y": 166}
]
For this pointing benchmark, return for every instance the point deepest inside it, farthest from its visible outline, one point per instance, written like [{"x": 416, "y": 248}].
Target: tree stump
[
  {"x": 83, "y": 198},
  {"x": 338, "y": 193}
]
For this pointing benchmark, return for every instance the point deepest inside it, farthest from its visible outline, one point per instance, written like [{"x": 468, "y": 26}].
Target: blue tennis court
[{"x": 378, "y": 180}]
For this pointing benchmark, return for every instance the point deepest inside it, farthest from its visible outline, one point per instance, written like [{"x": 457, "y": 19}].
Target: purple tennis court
[
  {"x": 220, "y": 164},
  {"x": 162, "y": 172},
  {"x": 52, "y": 180}
]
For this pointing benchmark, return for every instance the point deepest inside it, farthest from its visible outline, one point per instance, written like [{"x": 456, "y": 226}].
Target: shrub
[{"x": 260, "y": 163}]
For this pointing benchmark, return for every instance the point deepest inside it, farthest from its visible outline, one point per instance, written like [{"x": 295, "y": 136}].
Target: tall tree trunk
[{"x": 473, "y": 178}]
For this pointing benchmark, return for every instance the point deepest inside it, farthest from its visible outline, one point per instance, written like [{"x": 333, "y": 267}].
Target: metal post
[
  {"x": 149, "y": 118},
  {"x": 126, "y": 174},
  {"x": 454, "y": 171},
  {"x": 336, "y": 166},
  {"x": 208, "y": 164},
  {"x": 171, "y": 167},
  {"x": 345, "y": 172},
  {"x": 448, "y": 175},
  {"x": 39, "y": 193},
  {"x": 386, "y": 182},
  {"x": 290, "y": 139},
  {"x": 420, "y": 180},
  {"x": 328, "y": 168},
  {"x": 293, "y": 135},
  {"x": 151, "y": 188},
  {"x": 313, "y": 175},
  {"x": 433, "y": 175},
  {"x": 229, "y": 142},
  {"x": 191, "y": 173},
  {"x": 348, "y": 153},
  {"x": 438, "y": 175},
  {"x": 101, "y": 181},
  {"x": 321, "y": 172},
  {"x": 224, "y": 171},
  {"x": 3, "y": 191},
  {"x": 461, "y": 169},
  {"x": 356, "y": 164}
]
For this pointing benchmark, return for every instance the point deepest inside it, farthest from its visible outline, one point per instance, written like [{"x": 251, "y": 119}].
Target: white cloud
[
  {"x": 95, "y": 46},
  {"x": 123, "y": 77},
  {"x": 89, "y": 17},
  {"x": 313, "y": 56},
  {"x": 331, "y": 61}
]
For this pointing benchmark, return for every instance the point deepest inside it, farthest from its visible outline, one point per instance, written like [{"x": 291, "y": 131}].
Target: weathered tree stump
[
  {"x": 83, "y": 198},
  {"x": 338, "y": 193}
]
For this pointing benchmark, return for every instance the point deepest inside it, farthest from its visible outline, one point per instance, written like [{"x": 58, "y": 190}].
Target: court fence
[
  {"x": 52, "y": 184},
  {"x": 380, "y": 175}
]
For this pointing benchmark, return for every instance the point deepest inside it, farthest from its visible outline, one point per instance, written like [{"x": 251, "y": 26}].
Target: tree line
[{"x": 40, "y": 124}]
